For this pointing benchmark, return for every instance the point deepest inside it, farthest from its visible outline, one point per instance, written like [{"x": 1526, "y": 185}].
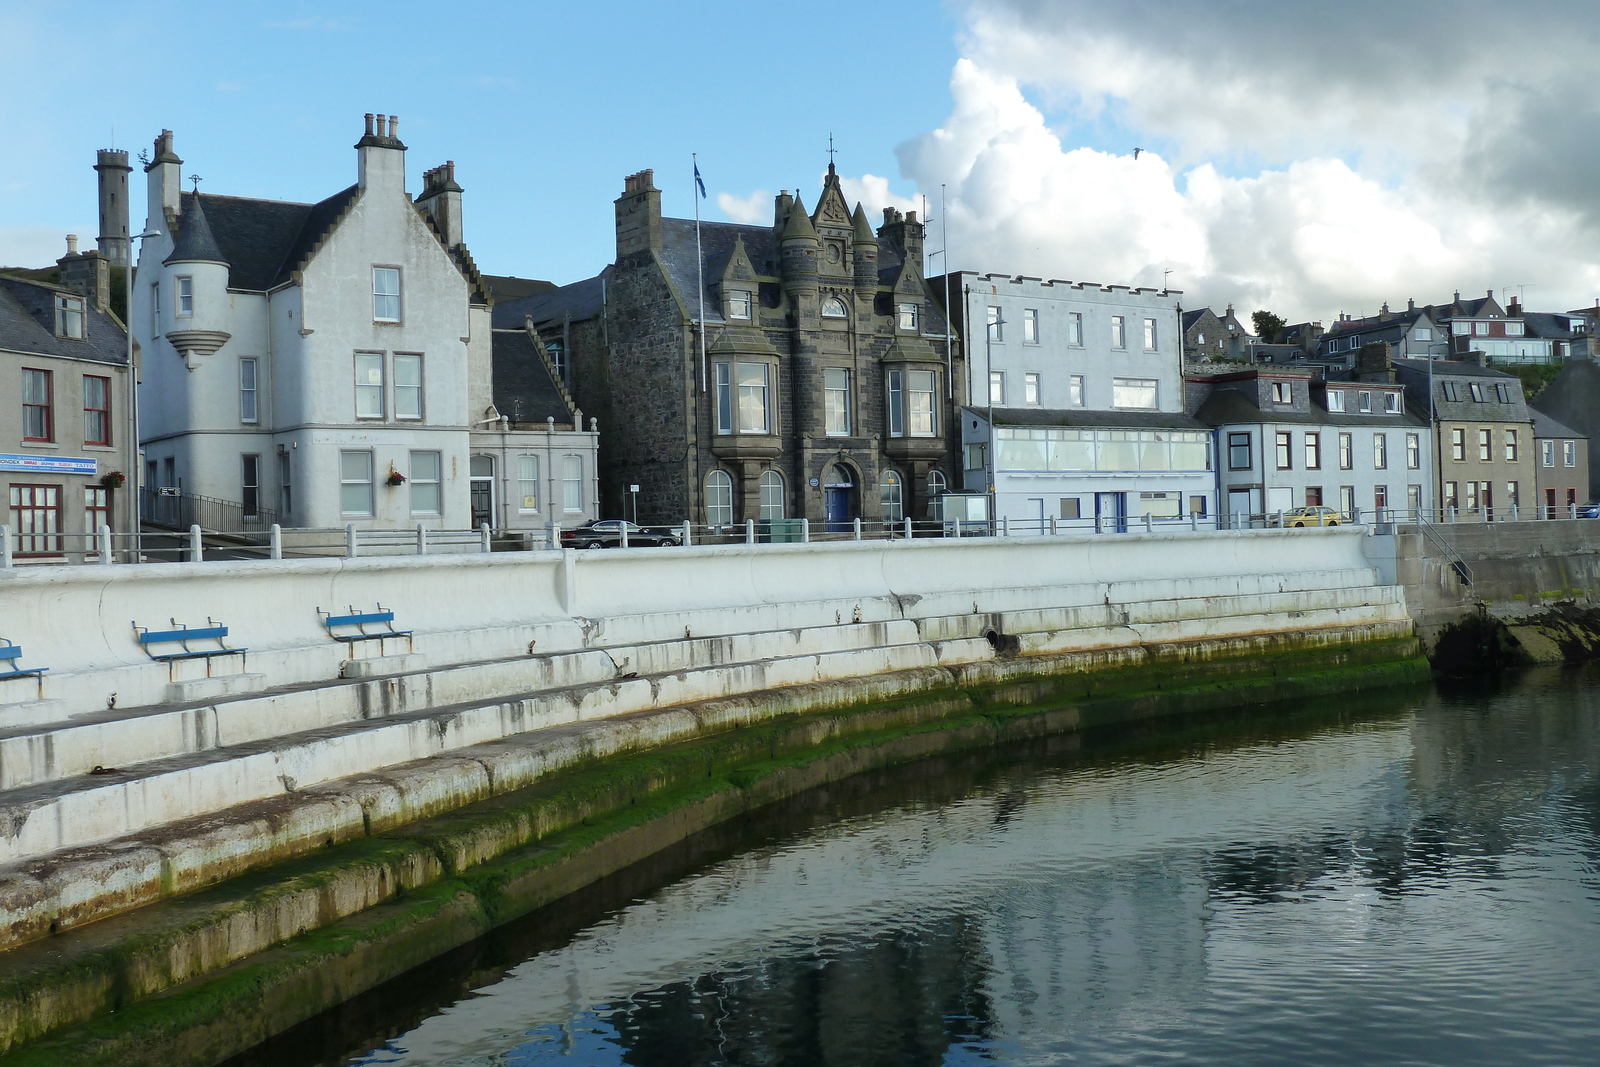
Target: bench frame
[
  {"x": 10, "y": 652},
  {"x": 212, "y": 631},
  {"x": 381, "y": 616}
]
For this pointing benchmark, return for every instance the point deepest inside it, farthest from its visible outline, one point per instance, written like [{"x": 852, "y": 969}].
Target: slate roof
[
  {"x": 1545, "y": 426},
  {"x": 195, "y": 243},
  {"x": 1414, "y": 374},
  {"x": 1131, "y": 420},
  {"x": 1230, "y": 406},
  {"x": 524, "y": 389},
  {"x": 716, "y": 243},
  {"x": 263, "y": 241},
  {"x": 506, "y": 287},
  {"x": 582, "y": 300},
  {"x": 1452, "y": 368},
  {"x": 1544, "y": 324},
  {"x": 28, "y": 324}
]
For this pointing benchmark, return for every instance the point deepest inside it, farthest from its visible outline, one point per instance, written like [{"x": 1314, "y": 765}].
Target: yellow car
[{"x": 1312, "y": 516}]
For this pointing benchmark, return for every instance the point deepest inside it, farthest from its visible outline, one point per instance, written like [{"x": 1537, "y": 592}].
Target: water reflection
[{"x": 1411, "y": 884}]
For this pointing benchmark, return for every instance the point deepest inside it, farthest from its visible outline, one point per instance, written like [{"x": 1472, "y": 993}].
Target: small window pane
[
  {"x": 407, "y": 386},
  {"x": 386, "y": 294},
  {"x": 369, "y": 385},
  {"x": 426, "y": 497},
  {"x": 920, "y": 417},
  {"x": 355, "y": 483},
  {"x": 907, "y": 315},
  {"x": 772, "y": 503},
  {"x": 249, "y": 405},
  {"x": 572, "y": 483},
  {"x": 739, "y": 304},
  {"x": 833, "y": 308},
  {"x": 719, "y": 498},
  {"x": 836, "y": 401},
  {"x": 528, "y": 482}
]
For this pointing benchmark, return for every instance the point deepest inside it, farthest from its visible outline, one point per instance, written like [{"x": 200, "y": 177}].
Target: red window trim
[
  {"x": 49, "y": 536},
  {"x": 48, "y": 405},
  {"x": 105, "y": 410}
]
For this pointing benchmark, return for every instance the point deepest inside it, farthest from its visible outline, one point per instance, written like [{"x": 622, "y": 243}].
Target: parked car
[
  {"x": 1589, "y": 511},
  {"x": 1312, "y": 516},
  {"x": 607, "y": 533}
]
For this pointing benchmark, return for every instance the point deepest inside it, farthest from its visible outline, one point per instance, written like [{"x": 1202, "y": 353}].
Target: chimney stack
[
  {"x": 638, "y": 213},
  {"x": 381, "y": 160},
  {"x": 441, "y": 199}
]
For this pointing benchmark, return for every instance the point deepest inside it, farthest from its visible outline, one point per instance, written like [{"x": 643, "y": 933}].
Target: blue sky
[{"x": 544, "y": 107}]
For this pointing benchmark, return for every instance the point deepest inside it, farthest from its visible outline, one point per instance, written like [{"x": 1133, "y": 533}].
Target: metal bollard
[
  {"x": 422, "y": 540},
  {"x": 104, "y": 536},
  {"x": 276, "y": 542},
  {"x": 855, "y": 527},
  {"x": 483, "y": 537},
  {"x": 805, "y": 531},
  {"x": 749, "y": 531},
  {"x": 196, "y": 546},
  {"x": 350, "y": 540},
  {"x": 622, "y": 530},
  {"x": 688, "y": 533},
  {"x": 1280, "y": 518},
  {"x": 1149, "y": 526},
  {"x": 5, "y": 545},
  {"x": 1055, "y": 526}
]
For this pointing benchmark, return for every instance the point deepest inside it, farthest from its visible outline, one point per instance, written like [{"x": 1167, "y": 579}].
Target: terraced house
[
  {"x": 1484, "y": 437},
  {"x": 822, "y": 385}
]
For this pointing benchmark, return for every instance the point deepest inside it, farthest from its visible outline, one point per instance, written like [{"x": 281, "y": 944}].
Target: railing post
[
  {"x": 907, "y": 521},
  {"x": 350, "y": 540},
  {"x": 5, "y": 545},
  {"x": 749, "y": 531},
  {"x": 1149, "y": 525},
  {"x": 276, "y": 541},
  {"x": 688, "y": 532},
  {"x": 422, "y": 540},
  {"x": 1513, "y": 511},
  {"x": 622, "y": 530},
  {"x": 103, "y": 534},
  {"x": 483, "y": 537},
  {"x": 855, "y": 527},
  {"x": 1055, "y": 526},
  {"x": 1005, "y": 526},
  {"x": 1573, "y": 508},
  {"x": 1194, "y": 521},
  {"x": 805, "y": 531},
  {"x": 196, "y": 545}
]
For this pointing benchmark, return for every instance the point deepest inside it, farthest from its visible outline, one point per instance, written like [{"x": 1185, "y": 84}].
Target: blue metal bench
[
  {"x": 181, "y": 637},
  {"x": 9, "y": 668},
  {"x": 339, "y": 627}
]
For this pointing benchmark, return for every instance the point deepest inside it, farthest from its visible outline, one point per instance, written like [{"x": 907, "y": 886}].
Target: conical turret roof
[
  {"x": 863, "y": 228},
  {"x": 799, "y": 224},
  {"x": 195, "y": 243}
]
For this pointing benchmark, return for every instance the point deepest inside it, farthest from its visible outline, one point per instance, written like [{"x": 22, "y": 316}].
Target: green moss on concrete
[{"x": 583, "y": 823}]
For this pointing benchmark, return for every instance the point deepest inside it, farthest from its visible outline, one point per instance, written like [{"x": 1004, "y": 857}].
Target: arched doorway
[{"x": 838, "y": 498}]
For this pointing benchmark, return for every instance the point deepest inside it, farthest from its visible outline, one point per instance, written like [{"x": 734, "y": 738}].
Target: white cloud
[
  {"x": 751, "y": 210},
  {"x": 1309, "y": 165},
  {"x": 39, "y": 246},
  {"x": 874, "y": 194}
]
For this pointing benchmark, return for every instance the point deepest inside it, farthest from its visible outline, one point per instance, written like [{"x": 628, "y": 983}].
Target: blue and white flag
[{"x": 700, "y": 184}]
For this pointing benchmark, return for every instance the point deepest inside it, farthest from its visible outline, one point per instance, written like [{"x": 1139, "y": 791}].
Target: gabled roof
[
  {"x": 1451, "y": 368},
  {"x": 505, "y": 287},
  {"x": 716, "y": 242},
  {"x": 1227, "y": 407},
  {"x": 1544, "y": 324},
  {"x": 581, "y": 300},
  {"x": 1545, "y": 426},
  {"x": 28, "y": 323},
  {"x": 525, "y": 389},
  {"x": 265, "y": 241}
]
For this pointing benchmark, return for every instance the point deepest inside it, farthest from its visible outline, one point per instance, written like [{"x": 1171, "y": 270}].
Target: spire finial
[
  {"x": 196, "y": 179},
  {"x": 831, "y": 153}
]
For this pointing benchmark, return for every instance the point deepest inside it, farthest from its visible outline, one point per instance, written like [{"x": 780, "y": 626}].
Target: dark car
[{"x": 607, "y": 533}]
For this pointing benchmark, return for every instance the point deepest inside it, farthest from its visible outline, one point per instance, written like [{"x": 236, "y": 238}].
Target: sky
[{"x": 1308, "y": 158}]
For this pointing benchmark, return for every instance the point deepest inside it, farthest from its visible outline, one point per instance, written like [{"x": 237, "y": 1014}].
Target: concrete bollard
[
  {"x": 1573, "y": 509},
  {"x": 5, "y": 545},
  {"x": 1055, "y": 526},
  {"x": 749, "y": 531},
  {"x": 275, "y": 540},
  {"x": 350, "y": 540},
  {"x": 1149, "y": 525},
  {"x": 805, "y": 531},
  {"x": 688, "y": 533},
  {"x": 103, "y": 535},
  {"x": 1194, "y": 521},
  {"x": 908, "y": 527},
  {"x": 196, "y": 546},
  {"x": 622, "y": 530},
  {"x": 855, "y": 527},
  {"x": 422, "y": 540},
  {"x": 483, "y": 537},
  {"x": 1005, "y": 526}
]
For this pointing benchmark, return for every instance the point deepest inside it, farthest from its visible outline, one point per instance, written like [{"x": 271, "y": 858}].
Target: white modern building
[
  {"x": 1285, "y": 439},
  {"x": 327, "y": 364},
  {"x": 1077, "y": 402}
]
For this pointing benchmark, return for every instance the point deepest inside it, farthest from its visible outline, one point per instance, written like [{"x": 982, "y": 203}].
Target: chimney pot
[
  {"x": 369, "y": 124},
  {"x": 72, "y": 244},
  {"x": 394, "y": 126}
]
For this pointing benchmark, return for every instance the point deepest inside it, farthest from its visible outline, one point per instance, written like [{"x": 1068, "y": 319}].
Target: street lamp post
[{"x": 135, "y": 476}]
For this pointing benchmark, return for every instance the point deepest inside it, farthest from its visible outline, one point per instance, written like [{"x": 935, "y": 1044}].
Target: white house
[
  {"x": 1285, "y": 439},
  {"x": 1077, "y": 402},
  {"x": 319, "y": 364}
]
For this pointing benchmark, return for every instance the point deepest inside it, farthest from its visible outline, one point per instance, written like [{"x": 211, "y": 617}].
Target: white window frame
[
  {"x": 1119, "y": 333},
  {"x": 773, "y": 496},
  {"x": 413, "y": 410},
  {"x": 528, "y": 483},
  {"x": 1030, "y": 388},
  {"x": 1336, "y": 399},
  {"x": 1413, "y": 451},
  {"x": 742, "y": 306},
  {"x": 70, "y": 317},
  {"x": 891, "y": 497},
  {"x": 361, "y": 478},
  {"x": 249, "y": 389},
  {"x": 1282, "y": 392},
  {"x": 1547, "y": 453},
  {"x": 1569, "y": 453},
  {"x": 996, "y": 322},
  {"x": 894, "y": 385},
  {"x": 183, "y": 296},
  {"x": 420, "y": 483},
  {"x": 1030, "y": 326},
  {"x": 1075, "y": 329},
  {"x": 1151, "y": 338},
  {"x": 908, "y": 316},
  {"x": 835, "y": 308},
  {"x": 365, "y": 363},
  {"x": 1347, "y": 450},
  {"x": 997, "y": 387},
  {"x": 572, "y": 484},
  {"x": 380, "y": 295},
  {"x": 922, "y": 409},
  {"x": 1391, "y": 403},
  {"x": 1122, "y": 388},
  {"x": 719, "y": 498},
  {"x": 836, "y": 413},
  {"x": 1075, "y": 390},
  {"x": 1380, "y": 451}
]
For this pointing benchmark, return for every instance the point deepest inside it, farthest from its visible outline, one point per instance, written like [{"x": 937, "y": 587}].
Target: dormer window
[
  {"x": 1476, "y": 389},
  {"x": 906, "y": 316},
  {"x": 1335, "y": 399},
  {"x": 69, "y": 317},
  {"x": 834, "y": 308},
  {"x": 386, "y": 294},
  {"x": 1364, "y": 402},
  {"x": 1391, "y": 403},
  {"x": 185, "y": 301},
  {"x": 1282, "y": 393},
  {"x": 739, "y": 304}
]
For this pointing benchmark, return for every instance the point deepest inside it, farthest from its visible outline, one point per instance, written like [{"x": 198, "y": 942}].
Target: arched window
[
  {"x": 719, "y": 499},
  {"x": 771, "y": 495},
  {"x": 834, "y": 308},
  {"x": 936, "y": 483},
  {"x": 889, "y": 494},
  {"x": 839, "y": 476}
]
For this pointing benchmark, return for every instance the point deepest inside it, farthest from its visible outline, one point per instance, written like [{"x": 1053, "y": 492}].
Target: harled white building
[{"x": 315, "y": 362}]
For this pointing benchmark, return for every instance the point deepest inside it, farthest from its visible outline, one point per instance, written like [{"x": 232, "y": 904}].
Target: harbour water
[{"x": 1405, "y": 880}]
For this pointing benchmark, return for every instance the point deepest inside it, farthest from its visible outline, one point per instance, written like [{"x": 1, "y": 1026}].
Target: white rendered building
[
  {"x": 314, "y": 362},
  {"x": 1076, "y": 404}
]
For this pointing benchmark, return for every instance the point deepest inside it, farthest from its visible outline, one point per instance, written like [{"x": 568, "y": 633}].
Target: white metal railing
[{"x": 26, "y": 547}]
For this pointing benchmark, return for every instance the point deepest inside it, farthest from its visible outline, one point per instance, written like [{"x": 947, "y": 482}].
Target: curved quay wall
[{"x": 524, "y": 664}]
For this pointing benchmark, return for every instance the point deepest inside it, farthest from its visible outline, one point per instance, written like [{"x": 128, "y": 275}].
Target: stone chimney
[
  {"x": 441, "y": 199},
  {"x": 639, "y": 215},
  {"x": 903, "y": 235},
  {"x": 88, "y": 273},
  {"x": 380, "y": 156},
  {"x": 164, "y": 181}
]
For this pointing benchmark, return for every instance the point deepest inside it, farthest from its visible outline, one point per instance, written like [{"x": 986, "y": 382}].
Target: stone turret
[
  {"x": 799, "y": 249},
  {"x": 863, "y": 249},
  {"x": 112, "y": 167},
  {"x": 199, "y": 287}
]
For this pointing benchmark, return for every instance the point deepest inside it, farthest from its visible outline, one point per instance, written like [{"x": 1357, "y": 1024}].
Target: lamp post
[
  {"x": 135, "y": 474},
  {"x": 1433, "y": 431}
]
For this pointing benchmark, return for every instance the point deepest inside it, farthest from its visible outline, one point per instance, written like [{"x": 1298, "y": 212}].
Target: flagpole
[{"x": 699, "y": 267}]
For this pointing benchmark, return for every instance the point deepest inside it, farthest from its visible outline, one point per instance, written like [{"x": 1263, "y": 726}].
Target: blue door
[{"x": 838, "y": 500}]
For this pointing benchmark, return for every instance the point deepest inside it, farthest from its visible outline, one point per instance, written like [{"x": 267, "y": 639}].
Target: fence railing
[
  {"x": 197, "y": 542},
  {"x": 177, "y": 510}
]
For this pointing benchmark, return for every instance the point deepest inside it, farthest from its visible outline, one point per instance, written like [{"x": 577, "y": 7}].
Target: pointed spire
[
  {"x": 863, "y": 228},
  {"x": 195, "y": 242},
  {"x": 799, "y": 224}
]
